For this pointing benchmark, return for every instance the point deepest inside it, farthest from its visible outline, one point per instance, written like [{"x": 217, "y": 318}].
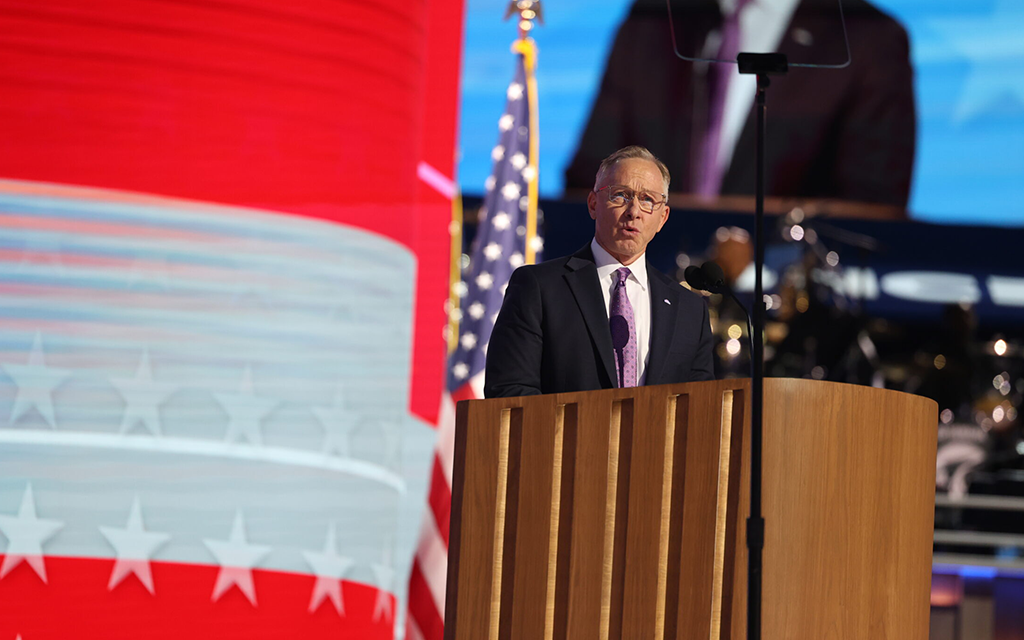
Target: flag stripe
[
  {"x": 422, "y": 610},
  {"x": 440, "y": 501},
  {"x": 432, "y": 554}
]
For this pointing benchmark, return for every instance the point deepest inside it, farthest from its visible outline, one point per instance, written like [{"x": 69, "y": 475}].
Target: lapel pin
[{"x": 667, "y": 302}]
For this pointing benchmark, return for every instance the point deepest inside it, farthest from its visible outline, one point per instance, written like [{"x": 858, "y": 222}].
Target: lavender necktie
[
  {"x": 709, "y": 170},
  {"x": 623, "y": 327}
]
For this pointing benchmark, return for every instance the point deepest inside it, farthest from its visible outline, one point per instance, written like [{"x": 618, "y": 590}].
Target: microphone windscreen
[
  {"x": 713, "y": 274},
  {"x": 695, "y": 278}
]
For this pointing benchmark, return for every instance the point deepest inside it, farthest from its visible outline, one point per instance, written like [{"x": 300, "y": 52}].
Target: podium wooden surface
[{"x": 621, "y": 514}]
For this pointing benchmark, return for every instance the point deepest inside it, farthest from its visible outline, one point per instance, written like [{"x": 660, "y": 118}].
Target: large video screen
[{"x": 929, "y": 115}]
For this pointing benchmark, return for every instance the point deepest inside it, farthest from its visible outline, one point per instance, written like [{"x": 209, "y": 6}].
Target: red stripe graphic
[{"x": 75, "y": 603}]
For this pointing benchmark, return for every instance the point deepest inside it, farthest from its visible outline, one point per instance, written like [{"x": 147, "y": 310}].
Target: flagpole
[{"x": 529, "y": 10}]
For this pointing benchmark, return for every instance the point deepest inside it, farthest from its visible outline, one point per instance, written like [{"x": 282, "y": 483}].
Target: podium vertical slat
[
  {"x": 647, "y": 537},
  {"x": 587, "y": 564},
  {"x": 477, "y": 450},
  {"x": 534, "y": 564},
  {"x": 697, "y": 556}
]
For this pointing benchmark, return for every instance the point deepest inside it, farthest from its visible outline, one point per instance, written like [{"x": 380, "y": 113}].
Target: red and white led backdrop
[{"x": 223, "y": 263}]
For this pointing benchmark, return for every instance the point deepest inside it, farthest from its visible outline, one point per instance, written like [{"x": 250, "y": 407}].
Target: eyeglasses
[{"x": 620, "y": 196}]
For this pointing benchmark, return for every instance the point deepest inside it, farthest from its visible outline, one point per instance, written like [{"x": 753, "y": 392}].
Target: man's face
[{"x": 624, "y": 230}]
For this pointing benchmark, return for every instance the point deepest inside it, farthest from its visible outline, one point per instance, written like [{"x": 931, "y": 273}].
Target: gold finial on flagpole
[{"x": 528, "y": 10}]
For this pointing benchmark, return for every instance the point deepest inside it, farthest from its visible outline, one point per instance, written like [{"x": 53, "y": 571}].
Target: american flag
[{"x": 506, "y": 238}]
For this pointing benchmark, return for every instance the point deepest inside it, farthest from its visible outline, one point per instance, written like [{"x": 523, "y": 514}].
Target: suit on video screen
[{"x": 831, "y": 133}]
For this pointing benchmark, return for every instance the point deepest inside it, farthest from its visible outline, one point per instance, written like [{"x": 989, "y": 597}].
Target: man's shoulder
[{"x": 555, "y": 266}]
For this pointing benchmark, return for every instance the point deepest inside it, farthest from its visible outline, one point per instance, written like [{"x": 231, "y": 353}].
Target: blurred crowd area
[{"x": 818, "y": 328}]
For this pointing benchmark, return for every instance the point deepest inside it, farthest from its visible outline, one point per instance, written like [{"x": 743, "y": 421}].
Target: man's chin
[{"x": 626, "y": 252}]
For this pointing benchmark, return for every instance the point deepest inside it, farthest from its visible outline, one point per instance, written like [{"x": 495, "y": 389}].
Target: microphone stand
[{"x": 762, "y": 65}]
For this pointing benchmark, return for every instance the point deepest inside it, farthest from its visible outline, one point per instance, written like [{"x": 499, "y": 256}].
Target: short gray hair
[{"x": 626, "y": 153}]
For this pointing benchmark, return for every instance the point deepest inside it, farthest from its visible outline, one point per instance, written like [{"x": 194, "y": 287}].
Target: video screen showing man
[
  {"x": 831, "y": 133},
  {"x": 603, "y": 317}
]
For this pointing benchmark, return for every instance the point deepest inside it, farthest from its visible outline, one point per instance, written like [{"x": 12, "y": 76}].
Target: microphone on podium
[{"x": 710, "y": 277}]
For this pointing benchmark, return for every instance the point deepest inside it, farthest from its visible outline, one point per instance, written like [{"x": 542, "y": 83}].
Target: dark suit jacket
[
  {"x": 552, "y": 333},
  {"x": 846, "y": 133}
]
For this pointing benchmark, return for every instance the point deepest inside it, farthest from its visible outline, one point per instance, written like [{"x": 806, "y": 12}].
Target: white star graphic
[
  {"x": 476, "y": 310},
  {"x": 510, "y": 191},
  {"x": 385, "y": 576},
  {"x": 537, "y": 243},
  {"x": 992, "y": 44},
  {"x": 245, "y": 411},
  {"x": 501, "y": 221},
  {"x": 468, "y": 341},
  {"x": 518, "y": 160},
  {"x": 329, "y": 568},
  {"x": 516, "y": 260},
  {"x": 492, "y": 251},
  {"x": 489, "y": 183},
  {"x": 506, "y": 122},
  {"x": 338, "y": 423},
  {"x": 237, "y": 558},
  {"x": 25, "y": 535},
  {"x": 143, "y": 397},
  {"x": 497, "y": 153},
  {"x": 529, "y": 172},
  {"x": 460, "y": 370},
  {"x": 460, "y": 289},
  {"x": 524, "y": 203},
  {"x": 35, "y": 382},
  {"x": 484, "y": 281},
  {"x": 134, "y": 547},
  {"x": 515, "y": 91}
]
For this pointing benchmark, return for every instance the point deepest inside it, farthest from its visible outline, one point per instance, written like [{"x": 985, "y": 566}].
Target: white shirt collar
[{"x": 607, "y": 264}]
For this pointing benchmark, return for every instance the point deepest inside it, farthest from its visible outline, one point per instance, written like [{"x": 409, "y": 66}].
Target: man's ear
[
  {"x": 592, "y": 205},
  {"x": 664, "y": 218}
]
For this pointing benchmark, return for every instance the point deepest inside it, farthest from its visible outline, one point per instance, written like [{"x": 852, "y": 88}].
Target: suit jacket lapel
[
  {"x": 585, "y": 287},
  {"x": 664, "y": 305}
]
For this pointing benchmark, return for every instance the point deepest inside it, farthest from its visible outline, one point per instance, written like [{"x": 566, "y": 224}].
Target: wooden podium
[{"x": 621, "y": 514}]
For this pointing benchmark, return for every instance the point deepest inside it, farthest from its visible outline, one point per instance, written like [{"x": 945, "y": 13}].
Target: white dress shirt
[
  {"x": 762, "y": 25},
  {"x": 639, "y": 294}
]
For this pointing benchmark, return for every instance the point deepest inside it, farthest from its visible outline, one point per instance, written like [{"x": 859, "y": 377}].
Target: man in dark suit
[
  {"x": 602, "y": 317},
  {"x": 846, "y": 133}
]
